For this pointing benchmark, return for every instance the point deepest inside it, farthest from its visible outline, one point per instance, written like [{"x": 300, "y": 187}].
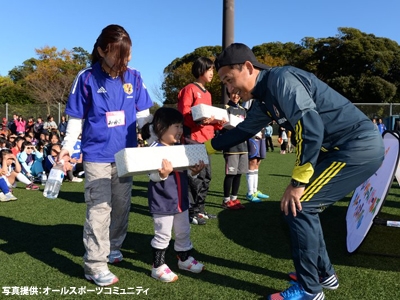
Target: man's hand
[
  {"x": 291, "y": 199},
  {"x": 196, "y": 169}
]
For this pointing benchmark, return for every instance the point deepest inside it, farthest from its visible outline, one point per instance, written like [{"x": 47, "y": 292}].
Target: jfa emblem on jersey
[
  {"x": 198, "y": 95},
  {"x": 128, "y": 88},
  {"x": 276, "y": 111}
]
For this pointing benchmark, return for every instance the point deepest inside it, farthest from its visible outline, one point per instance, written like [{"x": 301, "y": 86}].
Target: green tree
[
  {"x": 13, "y": 93},
  {"x": 81, "y": 57},
  {"x": 361, "y": 66},
  {"x": 17, "y": 74},
  {"x": 278, "y": 54}
]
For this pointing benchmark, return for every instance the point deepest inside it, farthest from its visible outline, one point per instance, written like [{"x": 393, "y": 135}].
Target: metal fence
[
  {"x": 379, "y": 110},
  {"x": 32, "y": 110},
  {"x": 372, "y": 110}
]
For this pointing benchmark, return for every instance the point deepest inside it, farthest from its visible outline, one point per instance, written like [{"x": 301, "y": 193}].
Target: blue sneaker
[
  {"x": 253, "y": 198},
  {"x": 261, "y": 195},
  {"x": 329, "y": 283},
  {"x": 296, "y": 292}
]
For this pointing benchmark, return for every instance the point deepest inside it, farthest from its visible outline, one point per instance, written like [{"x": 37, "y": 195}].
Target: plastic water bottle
[
  {"x": 53, "y": 184},
  {"x": 44, "y": 178}
]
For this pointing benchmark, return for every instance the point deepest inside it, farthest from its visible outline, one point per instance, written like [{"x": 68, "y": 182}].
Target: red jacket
[{"x": 189, "y": 96}]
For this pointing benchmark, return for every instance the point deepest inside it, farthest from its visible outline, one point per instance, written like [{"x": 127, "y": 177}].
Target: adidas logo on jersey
[{"x": 101, "y": 90}]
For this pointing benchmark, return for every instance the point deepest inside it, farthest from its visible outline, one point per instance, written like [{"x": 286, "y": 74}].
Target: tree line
[{"x": 361, "y": 66}]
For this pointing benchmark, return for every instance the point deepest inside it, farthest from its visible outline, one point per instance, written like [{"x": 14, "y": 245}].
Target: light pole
[{"x": 227, "y": 34}]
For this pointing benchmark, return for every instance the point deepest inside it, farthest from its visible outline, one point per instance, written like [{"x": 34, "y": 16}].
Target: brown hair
[{"x": 113, "y": 38}]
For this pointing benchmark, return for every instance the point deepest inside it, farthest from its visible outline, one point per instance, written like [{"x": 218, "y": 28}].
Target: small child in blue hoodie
[{"x": 169, "y": 198}]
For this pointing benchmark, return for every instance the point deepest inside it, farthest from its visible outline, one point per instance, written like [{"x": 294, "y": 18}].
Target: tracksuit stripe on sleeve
[{"x": 299, "y": 142}]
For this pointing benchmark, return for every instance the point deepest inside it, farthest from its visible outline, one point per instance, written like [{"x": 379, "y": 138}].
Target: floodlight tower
[{"x": 227, "y": 34}]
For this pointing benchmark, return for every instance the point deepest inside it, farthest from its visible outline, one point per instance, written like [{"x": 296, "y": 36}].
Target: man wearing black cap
[{"x": 337, "y": 148}]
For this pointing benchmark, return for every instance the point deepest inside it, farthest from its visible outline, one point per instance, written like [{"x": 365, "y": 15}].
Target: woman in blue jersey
[
  {"x": 169, "y": 198},
  {"x": 110, "y": 99}
]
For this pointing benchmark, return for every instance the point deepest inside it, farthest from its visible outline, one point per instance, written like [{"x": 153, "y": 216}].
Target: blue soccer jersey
[{"x": 108, "y": 107}]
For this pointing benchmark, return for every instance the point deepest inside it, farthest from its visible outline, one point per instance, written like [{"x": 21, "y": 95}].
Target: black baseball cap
[{"x": 237, "y": 53}]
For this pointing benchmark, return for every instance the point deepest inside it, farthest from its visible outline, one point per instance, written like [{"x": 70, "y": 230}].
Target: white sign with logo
[{"x": 369, "y": 196}]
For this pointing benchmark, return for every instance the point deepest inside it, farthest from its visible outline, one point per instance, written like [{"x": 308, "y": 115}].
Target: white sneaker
[
  {"x": 191, "y": 265},
  {"x": 103, "y": 278},
  {"x": 76, "y": 179},
  {"x": 164, "y": 274},
  {"x": 3, "y": 198},
  {"x": 10, "y": 196}
]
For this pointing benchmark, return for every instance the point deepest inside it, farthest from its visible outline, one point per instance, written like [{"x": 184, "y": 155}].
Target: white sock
[
  {"x": 22, "y": 178},
  {"x": 233, "y": 198},
  {"x": 255, "y": 183},
  {"x": 227, "y": 199},
  {"x": 250, "y": 182}
]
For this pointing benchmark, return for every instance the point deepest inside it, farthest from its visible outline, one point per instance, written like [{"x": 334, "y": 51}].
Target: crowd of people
[{"x": 29, "y": 149}]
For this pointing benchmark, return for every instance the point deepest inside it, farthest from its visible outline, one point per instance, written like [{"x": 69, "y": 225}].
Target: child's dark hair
[
  {"x": 53, "y": 133},
  {"x": 201, "y": 65},
  {"x": 40, "y": 144},
  {"x": 163, "y": 118},
  {"x": 25, "y": 144},
  {"x": 4, "y": 152},
  {"x": 54, "y": 145}
]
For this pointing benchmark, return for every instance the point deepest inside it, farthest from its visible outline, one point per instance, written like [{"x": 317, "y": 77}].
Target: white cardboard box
[
  {"x": 143, "y": 160},
  {"x": 233, "y": 121},
  {"x": 204, "y": 111}
]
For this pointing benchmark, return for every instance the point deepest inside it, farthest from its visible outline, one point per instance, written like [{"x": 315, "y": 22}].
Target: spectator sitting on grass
[
  {"x": 16, "y": 148},
  {"x": 52, "y": 159},
  {"x": 31, "y": 160},
  {"x": 12, "y": 171}
]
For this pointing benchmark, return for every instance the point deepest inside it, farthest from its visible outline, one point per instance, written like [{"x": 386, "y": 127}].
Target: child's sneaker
[
  {"x": 261, "y": 195},
  {"x": 253, "y": 198},
  {"x": 115, "y": 256},
  {"x": 229, "y": 205},
  {"x": 32, "y": 187},
  {"x": 296, "y": 292},
  {"x": 238, "y": 204},
  {"x": 206, "y": 215},
  {"x": 103, "y": 278},
  {"x": 10, "y": 196},
  {"x": 164, "y": 274},
  {"x": 197, "y": 221},
  {"x": 191, "y": 265},
  {"x": 76, "y": 179}
]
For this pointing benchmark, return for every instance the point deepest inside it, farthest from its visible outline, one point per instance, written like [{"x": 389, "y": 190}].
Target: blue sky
[{"x": 163, "y": 30}]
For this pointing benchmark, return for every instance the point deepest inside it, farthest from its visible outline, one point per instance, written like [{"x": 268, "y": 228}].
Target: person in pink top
[{"x": 20, "y": 124}]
